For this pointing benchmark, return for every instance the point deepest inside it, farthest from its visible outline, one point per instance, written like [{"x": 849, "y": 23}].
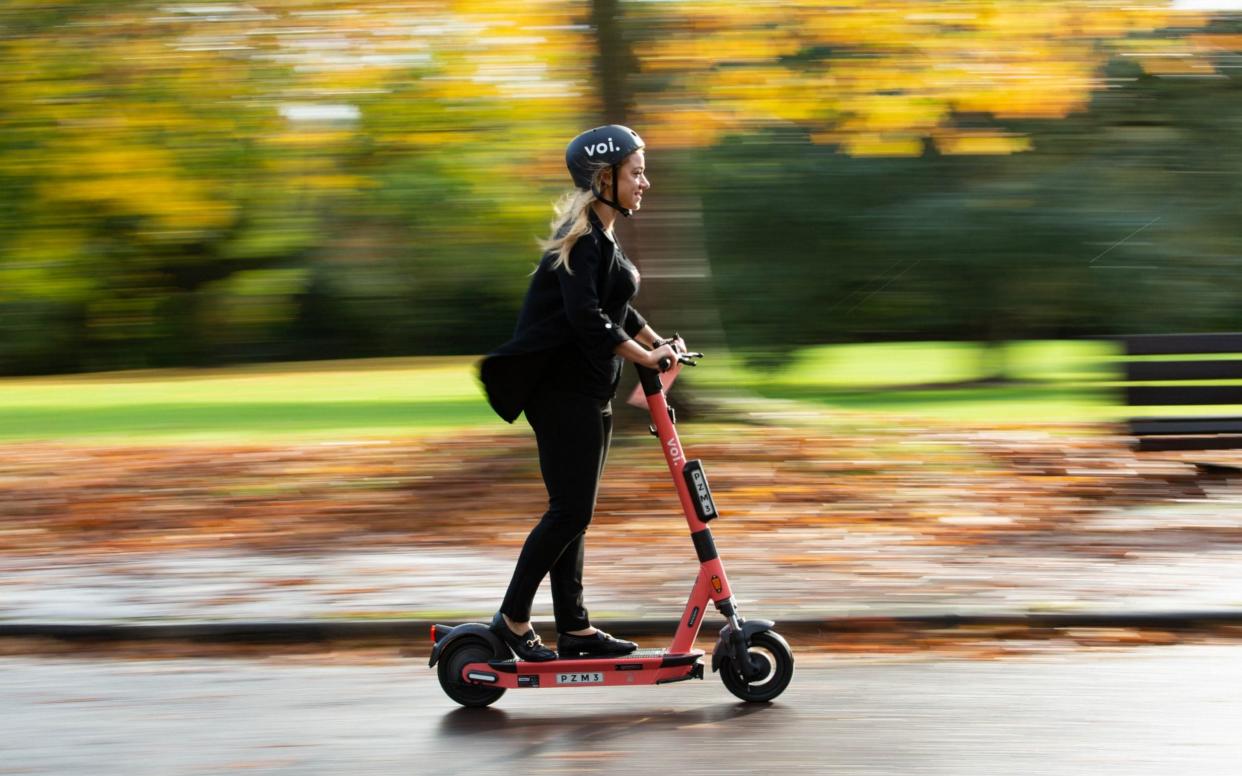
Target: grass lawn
[
  {"x": 327, "y": 399},
  {"x": 1052, "y": 381},
  {"x": 412, "y": 396}
]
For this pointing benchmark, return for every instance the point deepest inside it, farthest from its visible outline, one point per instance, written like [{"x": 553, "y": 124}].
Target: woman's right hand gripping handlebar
[
  {"x": 680, "y": 353},
  {"x": 633, "y": 352},
  {"x": 661, "y": 357}
]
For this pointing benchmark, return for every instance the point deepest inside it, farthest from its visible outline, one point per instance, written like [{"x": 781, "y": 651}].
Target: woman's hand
[
  {"x": 675, "y": 341},
  {"x": 655, "y": 356}
]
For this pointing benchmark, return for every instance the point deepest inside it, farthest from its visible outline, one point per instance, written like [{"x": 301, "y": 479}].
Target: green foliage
[
  {"x": 1115, "y": 222},
  {"x": 167, "y": 199},
  {"x": 162, "y": 203}
]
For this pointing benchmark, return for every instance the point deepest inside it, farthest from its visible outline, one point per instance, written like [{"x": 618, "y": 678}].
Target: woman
[{"x": 561, "y": 368}]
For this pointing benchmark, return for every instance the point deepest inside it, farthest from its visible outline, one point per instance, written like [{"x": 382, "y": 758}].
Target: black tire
[
  {"x": 458, "y": 655},
  {"x": 772, "y": 655}
]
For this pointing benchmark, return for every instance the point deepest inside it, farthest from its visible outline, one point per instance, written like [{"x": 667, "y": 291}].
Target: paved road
[{"x": 1160, "y": 710}]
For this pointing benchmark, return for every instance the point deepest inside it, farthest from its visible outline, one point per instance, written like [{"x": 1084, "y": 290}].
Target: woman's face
[{"x": 632, "y": 180}]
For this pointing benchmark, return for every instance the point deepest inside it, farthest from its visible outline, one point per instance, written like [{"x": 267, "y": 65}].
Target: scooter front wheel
[
  {"x": 458, "y": 656},
  {"x": 772, "y": 660}
]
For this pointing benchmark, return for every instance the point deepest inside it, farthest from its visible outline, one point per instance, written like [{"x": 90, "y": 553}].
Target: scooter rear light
[{"x": 433, "y": 634}]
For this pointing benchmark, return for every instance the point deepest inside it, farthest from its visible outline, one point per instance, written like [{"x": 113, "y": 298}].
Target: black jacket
[{"x": 589, "y": 309}]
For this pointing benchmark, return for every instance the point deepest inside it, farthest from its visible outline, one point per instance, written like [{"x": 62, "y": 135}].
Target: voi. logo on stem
[{"x": 674, "y": 451}]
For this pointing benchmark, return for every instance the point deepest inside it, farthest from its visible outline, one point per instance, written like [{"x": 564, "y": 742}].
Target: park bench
[{"x": 1179, "y": 382}]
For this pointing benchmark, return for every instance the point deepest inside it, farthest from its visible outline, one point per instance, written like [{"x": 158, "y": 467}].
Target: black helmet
[{"x": 603, "y": 146}]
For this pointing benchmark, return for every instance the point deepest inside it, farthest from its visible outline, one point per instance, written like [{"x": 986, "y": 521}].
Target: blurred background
[
  {"x": 250, "y": 253},
  {"x": 196, "y": 184}
]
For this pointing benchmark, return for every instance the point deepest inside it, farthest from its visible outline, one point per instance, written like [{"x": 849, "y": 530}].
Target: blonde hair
[{"x": 571, "y": 221}]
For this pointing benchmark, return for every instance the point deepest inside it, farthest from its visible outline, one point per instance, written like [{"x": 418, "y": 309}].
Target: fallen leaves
[{"x": 934, "y": 485}]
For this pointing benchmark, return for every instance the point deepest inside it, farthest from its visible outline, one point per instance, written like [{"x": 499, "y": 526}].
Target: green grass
[
  {"x": 890, "y": 365},
  {"x": 1050, "y": 381},
  {"x": 983, "y": 405},
  {"x": 370, "y": 398},
  {"x": 412, "y": 396}
]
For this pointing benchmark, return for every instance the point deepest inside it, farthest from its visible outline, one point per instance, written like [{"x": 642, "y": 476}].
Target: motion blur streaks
[{"x": 199, "y": 183}]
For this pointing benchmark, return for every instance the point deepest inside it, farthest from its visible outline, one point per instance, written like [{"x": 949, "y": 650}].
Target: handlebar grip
[{"x": 665, "y": 363}]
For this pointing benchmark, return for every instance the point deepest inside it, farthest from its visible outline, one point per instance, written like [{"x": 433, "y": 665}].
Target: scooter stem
[
  {"x": 711, "y": 584},
  {"x": 674, "y": 454}
]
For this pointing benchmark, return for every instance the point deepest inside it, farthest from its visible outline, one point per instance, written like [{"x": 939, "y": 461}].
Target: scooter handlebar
[{"x": 689, "y": 359}]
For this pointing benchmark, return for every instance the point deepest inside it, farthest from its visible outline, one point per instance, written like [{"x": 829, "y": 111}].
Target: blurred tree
[
  {"x": 878, "y": 79},
  {"x": 952, "y": 235},
  {"x": 199, "y": 183},
  {"x": 215, "y": 181}
]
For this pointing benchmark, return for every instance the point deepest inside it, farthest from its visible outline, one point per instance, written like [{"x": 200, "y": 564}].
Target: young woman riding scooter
[{"x": 561, "y": 368}]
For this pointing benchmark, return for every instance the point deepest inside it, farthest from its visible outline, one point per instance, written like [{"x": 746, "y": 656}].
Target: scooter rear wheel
[
  {"x": 458, "y": 656},
  {"x": 772, "y": 658}
]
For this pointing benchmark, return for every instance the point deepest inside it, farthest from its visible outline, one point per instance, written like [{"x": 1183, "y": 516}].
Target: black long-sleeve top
[{"x": 569, "y": 326}]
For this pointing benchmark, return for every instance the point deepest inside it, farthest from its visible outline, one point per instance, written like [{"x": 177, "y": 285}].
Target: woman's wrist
[
  {"x": 634, "y": 351},
  {"x": 659, "y": 342}
]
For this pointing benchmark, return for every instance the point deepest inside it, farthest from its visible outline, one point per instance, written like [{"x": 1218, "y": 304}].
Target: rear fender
[
  {"x": 475, "y": 629},
  {"x": 724, "y": 645}
]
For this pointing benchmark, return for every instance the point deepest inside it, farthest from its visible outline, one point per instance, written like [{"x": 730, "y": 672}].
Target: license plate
[{"x": 591, "y": 677}]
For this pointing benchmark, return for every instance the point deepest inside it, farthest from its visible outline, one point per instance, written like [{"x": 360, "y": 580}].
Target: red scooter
[{"x": 475, "y": 667}]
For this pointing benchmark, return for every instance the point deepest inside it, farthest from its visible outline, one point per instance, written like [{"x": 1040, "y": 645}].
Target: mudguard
[
  {"x": 724, "y": 646},
  {"x": 478, "y": 629}
]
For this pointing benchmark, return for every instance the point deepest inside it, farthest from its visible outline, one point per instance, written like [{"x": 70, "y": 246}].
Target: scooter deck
[
  {"x": 643, "y": 666},
  {"x": 666, "y": 659}
]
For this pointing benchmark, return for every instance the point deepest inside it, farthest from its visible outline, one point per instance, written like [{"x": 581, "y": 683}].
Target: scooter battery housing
[{"x": 700, "y": 492}]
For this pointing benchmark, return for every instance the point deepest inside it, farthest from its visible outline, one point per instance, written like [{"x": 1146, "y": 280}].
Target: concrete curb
[{"x": 416, "y": 632}]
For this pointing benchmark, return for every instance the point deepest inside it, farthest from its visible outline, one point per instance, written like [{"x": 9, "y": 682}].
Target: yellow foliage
[
  {"x": 861, "y": 144},
  {"x": 734, "y": 46},
  {"x": 907, "y": 66},
  {"x": 433, "y": 139},
  {"x": 1175, "y": 65},
  {"x": 1213, "y": 43},
  {"x": 104, "y": 171},
  {"x": 870, "y": 113},
  {"x": 434, "y": 76},
  {"x": 980, "y": 142},
  {"x": 680, "y": 127},
  {"x": 313, "y": 138}
]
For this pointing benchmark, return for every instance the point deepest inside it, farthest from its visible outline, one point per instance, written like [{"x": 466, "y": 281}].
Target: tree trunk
[{"x": 668, "y": 247}]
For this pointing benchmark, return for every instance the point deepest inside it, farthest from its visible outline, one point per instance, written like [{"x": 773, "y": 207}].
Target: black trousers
[{"x": 573, "y": 432}]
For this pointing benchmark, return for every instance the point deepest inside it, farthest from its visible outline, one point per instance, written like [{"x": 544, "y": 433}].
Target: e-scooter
[{"x": 755, "y": 663}]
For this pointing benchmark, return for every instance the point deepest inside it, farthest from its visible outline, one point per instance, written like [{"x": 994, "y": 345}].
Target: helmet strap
[{"x": 612, "y": 203}]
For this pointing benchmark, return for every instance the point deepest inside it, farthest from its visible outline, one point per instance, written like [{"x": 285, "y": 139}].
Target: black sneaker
[
  {"x": 528, "y": 646},
  {"x": 599, "y": 644}
]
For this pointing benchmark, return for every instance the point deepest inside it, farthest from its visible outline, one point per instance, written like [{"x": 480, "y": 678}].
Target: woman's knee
[{"x": 569, "y": 519}]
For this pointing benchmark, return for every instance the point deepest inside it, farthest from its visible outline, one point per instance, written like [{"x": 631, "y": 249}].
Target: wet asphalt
[{"x": 1154, "y": 710}]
